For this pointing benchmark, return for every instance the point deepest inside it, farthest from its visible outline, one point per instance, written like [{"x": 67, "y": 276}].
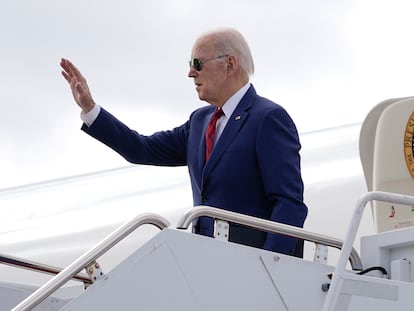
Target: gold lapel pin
[{"x": 237, "y": 118}]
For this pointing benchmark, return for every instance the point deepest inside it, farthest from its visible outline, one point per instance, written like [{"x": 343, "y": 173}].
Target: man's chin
[{"x": 200, "y": 96}]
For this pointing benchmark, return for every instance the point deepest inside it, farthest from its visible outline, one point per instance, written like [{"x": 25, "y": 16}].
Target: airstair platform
[{"x": 178, "y": 270}]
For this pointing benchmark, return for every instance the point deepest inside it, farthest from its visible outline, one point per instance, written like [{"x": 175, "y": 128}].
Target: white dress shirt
[{"x": 228, "y": 109}]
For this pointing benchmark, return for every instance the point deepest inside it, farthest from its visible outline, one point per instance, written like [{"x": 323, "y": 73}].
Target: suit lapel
[{"x": 233, "y": 126}]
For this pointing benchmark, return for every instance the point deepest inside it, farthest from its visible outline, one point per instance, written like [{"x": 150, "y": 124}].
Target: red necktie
[{"x": 211, "y": 132}]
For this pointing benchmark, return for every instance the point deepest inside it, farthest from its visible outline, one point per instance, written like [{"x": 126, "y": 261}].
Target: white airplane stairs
[{"x": 177, "y": 270}]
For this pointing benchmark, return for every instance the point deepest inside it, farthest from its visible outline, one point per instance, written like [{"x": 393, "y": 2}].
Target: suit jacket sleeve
[
  {"x": 279, "y": 161},
  {"x": 165, "y": 148}
]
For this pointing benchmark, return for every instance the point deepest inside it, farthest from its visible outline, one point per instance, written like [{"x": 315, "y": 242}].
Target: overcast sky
[{"x": 327, "y": 62}]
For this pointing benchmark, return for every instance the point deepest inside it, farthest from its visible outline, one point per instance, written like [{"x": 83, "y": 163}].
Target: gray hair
[{"x": 229, "y": 41}]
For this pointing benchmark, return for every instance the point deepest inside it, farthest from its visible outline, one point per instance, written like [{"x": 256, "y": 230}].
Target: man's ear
[{"x": 231, "y": 63}]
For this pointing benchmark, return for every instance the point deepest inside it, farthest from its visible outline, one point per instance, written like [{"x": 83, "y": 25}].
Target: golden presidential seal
[{"x": 408, "y": 144}]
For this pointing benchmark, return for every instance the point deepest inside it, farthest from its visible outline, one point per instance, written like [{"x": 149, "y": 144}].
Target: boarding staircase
[{"x": 179, "y": 270}]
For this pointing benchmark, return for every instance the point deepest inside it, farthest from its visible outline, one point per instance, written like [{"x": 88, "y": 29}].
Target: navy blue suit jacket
[{"x": 254, "y": 168}]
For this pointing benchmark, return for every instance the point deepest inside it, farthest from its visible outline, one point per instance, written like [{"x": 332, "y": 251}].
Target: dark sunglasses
[{"x": 197, "y": 64}]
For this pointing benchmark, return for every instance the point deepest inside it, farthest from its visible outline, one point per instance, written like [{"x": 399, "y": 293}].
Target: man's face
[{"x": 211, "y": 79}]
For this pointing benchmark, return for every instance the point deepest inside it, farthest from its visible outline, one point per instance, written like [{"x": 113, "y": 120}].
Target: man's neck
[{"x": 233, "y": 89}]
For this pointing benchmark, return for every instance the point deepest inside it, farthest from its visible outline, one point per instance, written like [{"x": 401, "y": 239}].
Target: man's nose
[{"x": 192, "y": 72}]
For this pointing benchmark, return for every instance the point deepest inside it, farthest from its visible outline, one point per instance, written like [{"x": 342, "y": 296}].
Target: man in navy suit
[{"x": 254, "y": 167}]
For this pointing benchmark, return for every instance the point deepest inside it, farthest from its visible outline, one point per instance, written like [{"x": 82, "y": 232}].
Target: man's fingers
[
  {"x": 67, "y": 71},
  {"x": 74, "y": 71},
  {"x": 66, "y": 76},
  {"x": 65, "y": 66},
  {"x": 71, "y": 70}
]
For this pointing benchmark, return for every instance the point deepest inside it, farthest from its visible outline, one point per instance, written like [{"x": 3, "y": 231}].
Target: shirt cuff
[{"x": 90, "y": 117}]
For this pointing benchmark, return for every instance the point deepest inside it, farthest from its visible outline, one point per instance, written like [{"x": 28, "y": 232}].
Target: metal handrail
[
  {"x": 267, "y": 225},
  {"x": 351, "y": 235},
  {"x": 39, "y": 267},
  {"x": 86, "y": 259}
]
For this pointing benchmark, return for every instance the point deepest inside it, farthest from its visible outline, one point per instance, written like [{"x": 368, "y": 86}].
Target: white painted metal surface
[
  {"x": 89, "y": 258},
  {"x": 177, "y": 267},
  {"x": 181, "y": 271},
  {"x": 345, "y": 285}
]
